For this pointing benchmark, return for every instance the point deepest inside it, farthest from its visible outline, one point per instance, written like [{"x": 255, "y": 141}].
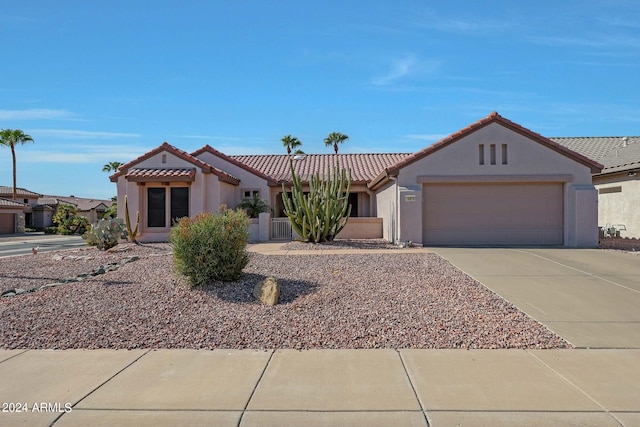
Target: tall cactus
[
  {"x": 322, "y": 213},
  {"x": 132, "y": 233}
]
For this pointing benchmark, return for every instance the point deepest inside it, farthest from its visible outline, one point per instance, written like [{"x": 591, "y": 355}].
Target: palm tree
[
  {"x": 111, "y": 167},
  {"x": 291, "y": 142},
  {"x": 11, "y": 137},
  {"x": 334, "y": 139}
]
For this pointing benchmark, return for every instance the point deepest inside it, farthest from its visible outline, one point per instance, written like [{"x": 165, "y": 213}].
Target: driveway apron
[{"x": 589, "y": 297}]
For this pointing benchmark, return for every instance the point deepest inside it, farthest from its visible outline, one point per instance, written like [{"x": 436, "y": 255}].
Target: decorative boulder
[{"x": 267, "y": 291}]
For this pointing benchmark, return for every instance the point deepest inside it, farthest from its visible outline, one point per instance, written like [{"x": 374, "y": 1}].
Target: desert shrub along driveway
[{"x": 363, "y": 300}]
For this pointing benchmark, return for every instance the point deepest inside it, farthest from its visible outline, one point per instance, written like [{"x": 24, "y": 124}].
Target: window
[
  {"x": 250, "y": 194},
  {"x": 481, "y": 154},
  {"x": 492, "y": 153},
  {"x": 156, "y": 207},
  {"x": 179, "y": 203},
  {"x": 164, "y": 158},
  {"x": 353, "y": 201},
  {"x": 504, "y": 154}
]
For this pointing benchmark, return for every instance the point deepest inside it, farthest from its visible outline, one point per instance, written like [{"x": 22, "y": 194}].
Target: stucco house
[
  {"x": 618, "y": 183},
  {"x": 13, "y": 219},
  {"x": 491, "y": 183},
  {"x": 35, "y": 210}
]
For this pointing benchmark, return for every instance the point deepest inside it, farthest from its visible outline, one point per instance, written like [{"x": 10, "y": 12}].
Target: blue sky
[{"x": 94, "y": 82}]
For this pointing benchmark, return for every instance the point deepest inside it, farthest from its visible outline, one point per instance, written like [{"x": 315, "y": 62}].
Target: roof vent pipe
[{"x": 624, "y": 141}]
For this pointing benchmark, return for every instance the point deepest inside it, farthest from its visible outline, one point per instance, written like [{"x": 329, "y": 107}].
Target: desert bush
[
  {"x": 210, "y": 247},
  {"x": 105, "y": 233},
  {"x": 67, "y": 220}
]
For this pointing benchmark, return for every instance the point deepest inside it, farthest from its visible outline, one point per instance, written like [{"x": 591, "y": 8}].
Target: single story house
[
  {"x": 618, "y": 183},
  {"x": 37, "y": 210},
  {"x": 93, "y": 209},
  {"x": 491, "y": 183}
]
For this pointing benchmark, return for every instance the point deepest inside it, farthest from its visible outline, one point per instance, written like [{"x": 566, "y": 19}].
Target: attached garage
[
  {"x": 491, "y": 183},
  {"x": 493, "y": 214},
  {"x": 7, "y": 221}
]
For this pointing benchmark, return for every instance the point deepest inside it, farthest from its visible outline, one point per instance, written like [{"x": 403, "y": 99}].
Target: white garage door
[
  {"x": 6, "y": 223},
  {"x": 493, "y": 214}
]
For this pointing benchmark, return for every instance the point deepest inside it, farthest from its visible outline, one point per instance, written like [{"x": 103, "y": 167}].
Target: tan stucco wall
[
  {"x": 248, "y": 181},
  {"x": 362, "y": 228},
  {"x": 524, "y": 157},
  {"x": 619, "y": 207},
  {"x": 386, "y": 206}
]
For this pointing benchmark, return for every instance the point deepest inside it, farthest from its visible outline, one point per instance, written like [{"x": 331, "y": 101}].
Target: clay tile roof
[
  {"x": 363, "y": 167},
  {"x": 206, "y": 168},
  {"x": 174, "y": 174},
  {"x": 231, "y": 159},
  {"x": 616, "y": 153},
  {"x": 6, "y": 203},
  {"x": 4, "y": 189}
]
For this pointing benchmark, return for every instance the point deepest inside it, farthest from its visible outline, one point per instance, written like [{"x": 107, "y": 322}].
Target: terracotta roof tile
[
  {"x": 363, "y": 167},
  {"x": 223, "y": 176},
  {"x": 161, "y": 174},
  {"x": 231, "y": 159}
]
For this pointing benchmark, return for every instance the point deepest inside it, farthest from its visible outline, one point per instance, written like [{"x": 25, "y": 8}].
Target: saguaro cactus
[
  {"x": 132, "y": 233},
  {"x": 322, "y": 213}
]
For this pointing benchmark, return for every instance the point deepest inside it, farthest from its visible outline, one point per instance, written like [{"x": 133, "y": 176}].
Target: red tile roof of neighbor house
[
  {"x": 363, "y": 167},
  {"x": 206, "y": 168}
]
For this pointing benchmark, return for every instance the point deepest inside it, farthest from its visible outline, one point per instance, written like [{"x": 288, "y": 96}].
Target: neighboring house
[
  {"x": 11, "y": 216},
  {"x": 492, "y": 183},
  {"x": 618, "y": 183},
  {"x": 28, "y": 199},
  {"x": 93, "y": 209},
  {"x": 37, "y": 210}
]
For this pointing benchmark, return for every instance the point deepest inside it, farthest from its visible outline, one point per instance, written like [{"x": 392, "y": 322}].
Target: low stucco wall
[{"x": 362, "y": 228}]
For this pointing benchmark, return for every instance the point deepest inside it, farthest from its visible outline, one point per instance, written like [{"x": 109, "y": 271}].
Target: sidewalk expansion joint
[
  {"x": 266, "y": 365},
  {"x": 575, "y": 386},
  {"x": 101, "y": 384},
  {"x": 14, "y": 356},
  {"x": 415, "y": 393}
]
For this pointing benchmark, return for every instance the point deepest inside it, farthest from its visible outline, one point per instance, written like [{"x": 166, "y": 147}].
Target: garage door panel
[
  {"x": 6, "y": 223},
  {"x": 493, "y": 214}
]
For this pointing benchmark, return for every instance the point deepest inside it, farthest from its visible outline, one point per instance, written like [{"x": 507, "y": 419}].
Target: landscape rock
[{"x": 267, "y": 291}]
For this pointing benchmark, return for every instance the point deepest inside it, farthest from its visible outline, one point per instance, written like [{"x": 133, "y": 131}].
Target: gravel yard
[{"x": 364, "y": 300}]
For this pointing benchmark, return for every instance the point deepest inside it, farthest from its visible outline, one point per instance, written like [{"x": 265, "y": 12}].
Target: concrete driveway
[{"x": 590, "y": 297}]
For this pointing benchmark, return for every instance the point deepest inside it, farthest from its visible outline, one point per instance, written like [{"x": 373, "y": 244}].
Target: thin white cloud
[
  {"x": 404, "y": 67},
  {"x": 35, "y": 114},
  {"x": 83, "y": 153},
  {"x": 81, "y": 134}
]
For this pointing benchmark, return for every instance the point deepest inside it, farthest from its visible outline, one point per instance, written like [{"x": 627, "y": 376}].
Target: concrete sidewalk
[{"x": 320, "y": 387}]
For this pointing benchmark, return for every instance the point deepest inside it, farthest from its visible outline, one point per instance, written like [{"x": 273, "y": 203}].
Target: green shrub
[
  {"x": 50, "y": 230},
  {"x": 105, "y": 233},
  {"x": 210, "y": 247}
]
